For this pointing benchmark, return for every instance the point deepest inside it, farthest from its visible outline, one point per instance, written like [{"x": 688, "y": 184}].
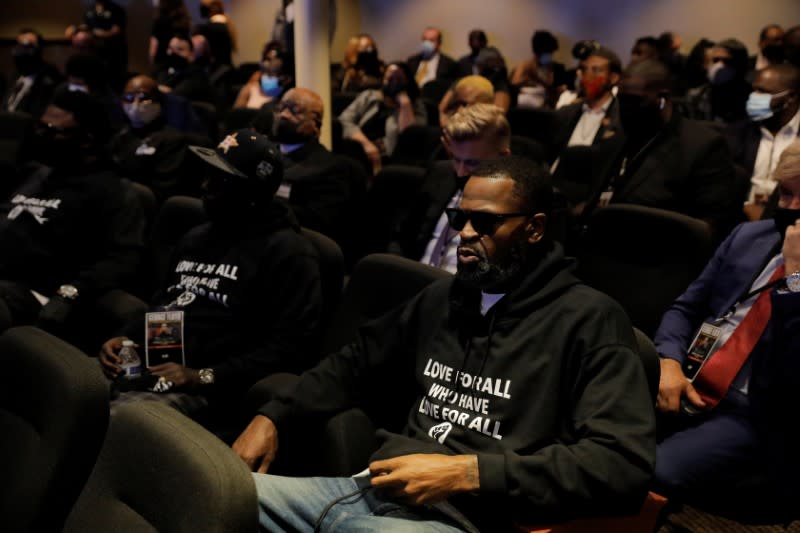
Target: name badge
[
  {"x": 145, "y": 149},
  {"x": 605, "y": 198},
  {"x": 164, "y": 334},
  {"x": 284, "y": 191},
  {"x": 702, "y": 346}
]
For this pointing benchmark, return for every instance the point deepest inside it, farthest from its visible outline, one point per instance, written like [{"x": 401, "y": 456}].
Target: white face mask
[{"x": 141, "y": 114}]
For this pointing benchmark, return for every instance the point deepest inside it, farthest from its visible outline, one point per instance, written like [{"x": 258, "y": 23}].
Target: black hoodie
[
  {"x": 255, "y": 301},
  {"x": 547, "y": 389}
]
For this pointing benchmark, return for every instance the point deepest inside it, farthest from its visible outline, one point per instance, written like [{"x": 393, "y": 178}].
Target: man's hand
[
  {"x": 791, "y": 248},
  {"x": 426, "y": 478},
  {"x": 109, "y": 360},
  {"x": 374, "y": 156},
  {"x": 181, "y": 376},
  {"x": 673, "y": 385},
  {"x": 258, "y": 442}
]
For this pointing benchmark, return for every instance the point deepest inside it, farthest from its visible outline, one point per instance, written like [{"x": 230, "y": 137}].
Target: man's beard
[{"x": 487, "y": 276}]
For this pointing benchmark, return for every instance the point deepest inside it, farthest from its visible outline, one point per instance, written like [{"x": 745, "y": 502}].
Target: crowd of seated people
[{"x": 712, "y": 135}]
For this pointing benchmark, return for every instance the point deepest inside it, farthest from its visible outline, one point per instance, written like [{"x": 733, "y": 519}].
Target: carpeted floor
[{"x": 691, "y": 520}]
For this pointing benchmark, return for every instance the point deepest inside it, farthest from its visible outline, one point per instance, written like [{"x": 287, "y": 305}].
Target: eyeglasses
[
  {"x": 482, "y": 222},
  {"x": 129, "y": 98}
]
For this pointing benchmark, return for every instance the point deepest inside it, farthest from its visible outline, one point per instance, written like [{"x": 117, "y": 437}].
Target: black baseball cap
[{"x": 247, "y": 155}]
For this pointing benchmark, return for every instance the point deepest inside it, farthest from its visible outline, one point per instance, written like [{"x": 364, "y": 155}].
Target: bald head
[
  {"x": 142, "y": 84},
  {"x": 298, "y": 116}
]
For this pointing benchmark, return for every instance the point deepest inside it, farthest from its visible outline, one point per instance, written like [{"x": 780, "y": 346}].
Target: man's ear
[
  {"x": 613, "y": 79},
  {"x": 446, "y": 144},
  {"x": 536, "y": 227}
]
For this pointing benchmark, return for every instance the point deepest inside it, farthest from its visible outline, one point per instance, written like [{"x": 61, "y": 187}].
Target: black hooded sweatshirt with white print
[
  {"x": 547, "y": 390},
  {"x": 80, "y": 228},
  {"x": 250, "y": 296}
]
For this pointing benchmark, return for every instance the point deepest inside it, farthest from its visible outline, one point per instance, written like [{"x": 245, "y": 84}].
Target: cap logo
[
  {"x": 264, "y": 169},
  {"x": 228, "y": 143}
]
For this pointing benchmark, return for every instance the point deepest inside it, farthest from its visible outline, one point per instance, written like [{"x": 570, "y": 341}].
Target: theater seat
[
  {"x": 53, "y": 418},
  {"x": 644, "y": 522},
  {"x": 643, "y": 257},
  {"x": 159, "y": 471}
]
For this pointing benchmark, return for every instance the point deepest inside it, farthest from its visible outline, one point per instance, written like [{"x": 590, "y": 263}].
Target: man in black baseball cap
[
  {"x": 246, "y": 285},
  {"x": 244, "y": 173}
]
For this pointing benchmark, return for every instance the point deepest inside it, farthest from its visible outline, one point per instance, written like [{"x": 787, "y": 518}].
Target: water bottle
[{"x": 129, "y": 360}]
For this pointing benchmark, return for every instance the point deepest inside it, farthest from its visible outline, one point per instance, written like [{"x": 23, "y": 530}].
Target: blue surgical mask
[
  {"x": 545, "y": 59},
  {"x": 759, "y": 105},
  {"x": 428, "y": 48},
  {"x": 270, "y": 85}
]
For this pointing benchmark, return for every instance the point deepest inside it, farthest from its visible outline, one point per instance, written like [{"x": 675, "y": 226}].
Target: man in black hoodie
[
  {"x": 71, "y": 229},
  {"x": 247, "y": 284},
  {"x": 527, "y": 402}
]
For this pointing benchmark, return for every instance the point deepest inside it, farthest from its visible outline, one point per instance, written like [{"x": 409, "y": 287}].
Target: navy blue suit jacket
[
  {"x": 775, "y": 377},
  {"x": 731, "y": 270}
]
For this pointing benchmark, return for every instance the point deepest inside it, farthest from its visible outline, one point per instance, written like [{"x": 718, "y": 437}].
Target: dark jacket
[
  {"x": 256, "y": 300},
  {"x": 547, "y": 389},
  {"x": 156, "y": 156},
  {"x": 190, "y": 83},
  {"x": 447, "y": 70},
  {"x": 86, "y": 230},
  {"x": 686, "y": 168},
  {"x": 566, "y": 118},
  {"x": 326, "y": 191},
  {"x": 775, "y": 376}
]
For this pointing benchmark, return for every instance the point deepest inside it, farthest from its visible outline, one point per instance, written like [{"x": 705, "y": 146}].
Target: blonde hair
[
  {"x": 479, "y": 121},
  {"x": 480, "y": 87},
  {"x": 789, "y": 164}
]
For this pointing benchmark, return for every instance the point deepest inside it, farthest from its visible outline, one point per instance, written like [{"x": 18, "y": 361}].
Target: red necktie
[{"x": 714, "y": 379}]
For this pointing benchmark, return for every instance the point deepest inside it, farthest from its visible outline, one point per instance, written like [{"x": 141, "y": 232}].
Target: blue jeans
[{"x": 296, "y": 504}]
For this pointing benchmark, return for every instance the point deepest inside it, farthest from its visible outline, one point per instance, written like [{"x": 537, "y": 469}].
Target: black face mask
[
  {"x": 773, "y": 53},
  {"x": 640, "y": 119},
  {"x": 367, "y": 60},
  {"x": 27, "y": 59},
  {"x": 176, "y": 62},
  {"x": 285, "y": 132},
  {"x": 63, "y": 152},
  {"x": 785, "y": 217}
]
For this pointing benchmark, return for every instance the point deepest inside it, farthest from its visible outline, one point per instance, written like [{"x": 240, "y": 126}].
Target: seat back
[
  {"x": 643, "y": 257},
  {"x": 147, "y": 199},
  {"x": 331, "y": 270},
  {"x": 160, "y": 471},
  {"x": 207, "y": 113},
  {"x": 53, "y": 417},
  {"x": 650, "y": 361},
  {"x": 536, "y": 124},
  {"x": 390, "y": 197},
  {"x": 177, "y": 216},
  {"x": 416, "y": 145},
  {"x": 379, "y": 283},
  {"x": 238, "y": 118}
]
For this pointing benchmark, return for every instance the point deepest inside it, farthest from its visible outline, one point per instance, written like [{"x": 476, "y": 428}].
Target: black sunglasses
[{"x": 482, "y": 222}]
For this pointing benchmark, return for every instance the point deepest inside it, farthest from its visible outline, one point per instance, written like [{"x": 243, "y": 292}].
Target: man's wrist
[{"x": 470, "y": 474}]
